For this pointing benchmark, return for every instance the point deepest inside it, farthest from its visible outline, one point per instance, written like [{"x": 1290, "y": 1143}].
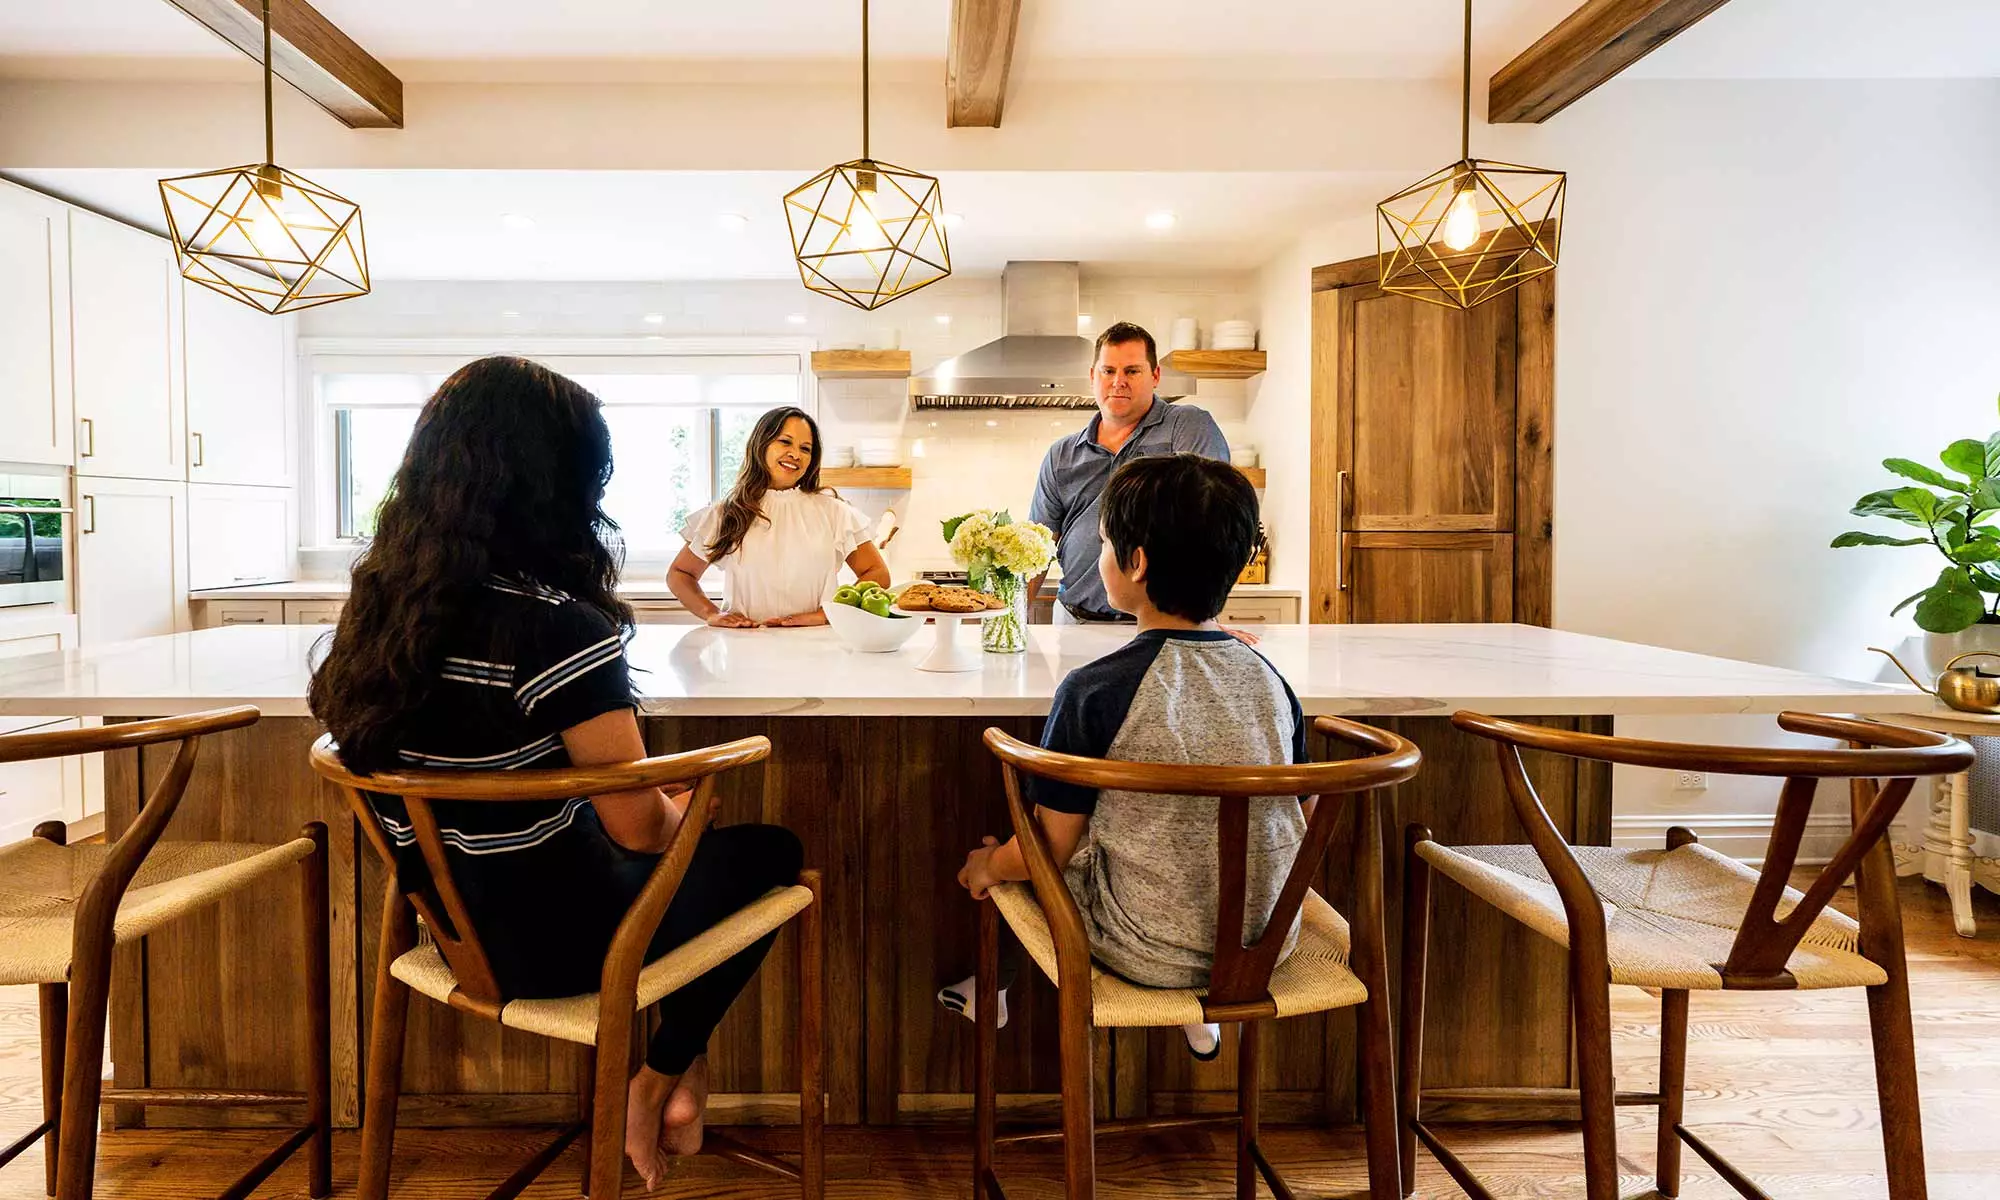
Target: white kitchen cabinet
[
  {"x": 238, "y": 535},
  {"x": 217, "y": 613},
  {"x": 125, "y": 317},
  {"x": 47, "y": 789},
  {"x": 1259, "y": 610},
  {"x": 313, "y": 612},
  {"x": 36, "y": 404},
  {"x": 237, "y": 414},
  {"x": 131, "y": 558}
]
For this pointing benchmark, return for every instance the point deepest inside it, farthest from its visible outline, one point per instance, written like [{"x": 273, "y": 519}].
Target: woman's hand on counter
[
  {"x": 798, "y": 620},
  {"x": 720, "y": 619}
]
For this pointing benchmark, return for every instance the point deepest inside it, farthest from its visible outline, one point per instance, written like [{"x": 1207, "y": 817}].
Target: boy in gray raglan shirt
[{"x": 1177, "y": 531}]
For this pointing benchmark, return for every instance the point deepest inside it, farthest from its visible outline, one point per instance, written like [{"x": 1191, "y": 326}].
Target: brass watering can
[{"x": 1967, "y": 689}]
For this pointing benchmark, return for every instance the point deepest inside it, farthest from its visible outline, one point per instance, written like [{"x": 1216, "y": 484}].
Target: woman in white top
[{"x": 778, "y": 538}]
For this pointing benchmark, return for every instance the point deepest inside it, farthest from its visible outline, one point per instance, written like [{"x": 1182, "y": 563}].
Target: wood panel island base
[{"x": 880, "y": 770}]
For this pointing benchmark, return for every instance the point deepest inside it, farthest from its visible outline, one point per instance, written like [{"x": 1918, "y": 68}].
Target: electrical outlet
[{"x": 1690, "y": 781}]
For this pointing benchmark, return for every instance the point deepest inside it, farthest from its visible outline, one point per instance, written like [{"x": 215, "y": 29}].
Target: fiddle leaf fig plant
[{"x": 1952, "y": 511}]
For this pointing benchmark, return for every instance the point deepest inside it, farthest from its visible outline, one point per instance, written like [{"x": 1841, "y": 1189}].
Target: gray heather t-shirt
[
  {"x": 1145, "y": 877},
  {"x": 1070, "y": 486}
]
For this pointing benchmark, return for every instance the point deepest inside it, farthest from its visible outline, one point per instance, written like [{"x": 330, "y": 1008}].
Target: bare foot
[
  {"x": 645, "y": 1102},
  {"x": 681, "y": 1122}
]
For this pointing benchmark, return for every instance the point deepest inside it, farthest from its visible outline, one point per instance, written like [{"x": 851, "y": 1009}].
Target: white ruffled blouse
[{"x": 789, "y": 562}]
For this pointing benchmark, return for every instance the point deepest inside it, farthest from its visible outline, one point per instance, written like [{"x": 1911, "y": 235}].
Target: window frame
[{"x": 320, "y": 499}]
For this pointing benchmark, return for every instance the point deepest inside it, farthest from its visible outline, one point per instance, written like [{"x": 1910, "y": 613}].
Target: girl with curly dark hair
[
  {"x": 483, "y": 631},
  {"x": 779, "y": 537}
]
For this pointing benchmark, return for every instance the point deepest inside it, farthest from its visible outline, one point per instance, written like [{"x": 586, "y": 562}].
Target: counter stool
[
  {"x": 1334, "y": 965},
  {"x": 64, "y": 908},
  {"x": 452, "y": 968},
  {"x": 1686, "y": 918}
]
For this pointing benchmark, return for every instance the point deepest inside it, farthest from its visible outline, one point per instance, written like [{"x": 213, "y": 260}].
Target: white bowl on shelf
[
  {"x": 864, "y": 631},
  {"x": 837, "y": 457}
]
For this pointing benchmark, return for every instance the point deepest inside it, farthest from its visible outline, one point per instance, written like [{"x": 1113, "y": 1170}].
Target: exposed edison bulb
[
  {"x": 278, "y": 225},
  {"x": 1461, "y": 220}
]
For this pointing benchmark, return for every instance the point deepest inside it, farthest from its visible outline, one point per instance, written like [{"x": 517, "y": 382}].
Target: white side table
[{"x": 1945, "y": 855}]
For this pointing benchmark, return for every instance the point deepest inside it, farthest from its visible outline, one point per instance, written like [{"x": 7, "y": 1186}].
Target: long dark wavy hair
[
  {"x": 504, "y": 476},
  {"x": 744, "y": 506}
]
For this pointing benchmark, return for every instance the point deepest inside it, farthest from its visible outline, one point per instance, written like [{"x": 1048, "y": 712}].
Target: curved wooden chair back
[
  {"x": 1241, "y": 975},
  {"x": 97, "y": 906},
  {"x": 450, "y": 923},
  {"x": 1764, "y": 941}
]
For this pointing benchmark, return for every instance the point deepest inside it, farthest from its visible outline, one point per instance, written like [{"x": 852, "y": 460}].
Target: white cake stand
[{"x": 947, "y": 654}]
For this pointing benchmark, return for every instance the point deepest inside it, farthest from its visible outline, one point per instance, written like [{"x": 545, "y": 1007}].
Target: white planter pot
[{"x": 1941, "y": 648}]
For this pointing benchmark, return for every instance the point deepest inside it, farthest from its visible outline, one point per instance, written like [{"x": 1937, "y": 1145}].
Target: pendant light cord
[
  {"x": 270, "y": 154},
  {"x": 1465, "y": 94},
  {"x": 864, "y": 78}
]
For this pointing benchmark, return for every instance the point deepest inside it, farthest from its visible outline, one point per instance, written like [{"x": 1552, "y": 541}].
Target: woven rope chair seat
[
  {"x": 1670, "y": 915},
  {"x": 1313, "y": 978},
  {"x": 40, "y": 883},
  {"x": 574, "y": 1018}
]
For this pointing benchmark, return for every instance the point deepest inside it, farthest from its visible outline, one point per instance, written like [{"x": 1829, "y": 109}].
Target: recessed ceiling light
[
  {"x": 1083, "y": 320},
  {"x": 796, "y": 319},
  {"x": 1160, "y": 220},
  {"x": 517, "y": 221},
  {"x": 733, "y": 222},
  {"x": 508, "y": 314},
  {"x": 992, "y": 424},
  {"x": 952, "y": 220},
  {"x": 943, "y": 318},
  {"x": 654, "y": 318}
]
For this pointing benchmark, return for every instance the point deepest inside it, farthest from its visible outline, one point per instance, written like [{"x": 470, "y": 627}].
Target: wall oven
[{"x": 35, "y": 524}]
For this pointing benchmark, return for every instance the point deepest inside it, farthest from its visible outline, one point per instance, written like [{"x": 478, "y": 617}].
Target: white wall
[
  {"x": 961, "y": 460},
  {"x": 1765, "y": 289}
]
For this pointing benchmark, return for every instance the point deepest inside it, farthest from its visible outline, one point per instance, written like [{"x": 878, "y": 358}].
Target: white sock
[
  {"x": 1202, "y": 1039},
  {"x": 962, "y": 998}
]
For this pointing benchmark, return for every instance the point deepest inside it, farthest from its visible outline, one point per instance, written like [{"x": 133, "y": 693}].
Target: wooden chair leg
[
  {"x": 55, "y": 1020},
  {"x": 317, "y": 932},
  {"x": 605, "y": 1164},
  {"x": 812, "y": 1047},
  {"x": 1079, "y": 1125},
  {"x": 1590, "y": 990},
  {"x": 985, "y": 1047},
  {"x": 1896, "y": 1087},
  {"x": 1247, "y": 1106},
  {"x": 1416, "y": 962},
  {"x": 1673, "y": 1085},
  {"x": 83, "y": 1067},
  {"x": 586, "y": 1105},
  {"x": 385, "y": 1082}
]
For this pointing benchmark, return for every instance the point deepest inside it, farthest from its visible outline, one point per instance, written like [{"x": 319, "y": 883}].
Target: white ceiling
[
  {"x": 1100, "y": 38},
  {"x": 664, "y": 225}
]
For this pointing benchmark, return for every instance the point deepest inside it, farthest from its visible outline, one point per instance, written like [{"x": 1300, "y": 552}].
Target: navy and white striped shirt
[{"x": 532, "y": 663}]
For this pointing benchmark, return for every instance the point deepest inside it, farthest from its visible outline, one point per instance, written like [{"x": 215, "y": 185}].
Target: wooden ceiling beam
[
  {"x": 978, "y": 55},
  {"x": 310, "y": 53},
  {"x": 1592, "y": 45}
]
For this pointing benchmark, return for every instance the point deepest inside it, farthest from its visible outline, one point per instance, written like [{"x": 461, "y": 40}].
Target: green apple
[
  {"x": 877, "y": 602},
  {"x": 848, "y": 596}
]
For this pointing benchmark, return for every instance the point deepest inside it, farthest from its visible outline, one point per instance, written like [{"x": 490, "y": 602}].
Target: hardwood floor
[{"x": 1779, "y": 1081}]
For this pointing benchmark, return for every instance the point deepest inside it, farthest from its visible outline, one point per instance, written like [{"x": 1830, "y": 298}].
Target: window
[{"x": 679, "y": 424}]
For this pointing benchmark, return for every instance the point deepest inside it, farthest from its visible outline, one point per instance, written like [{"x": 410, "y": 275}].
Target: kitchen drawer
[
  {"x": 47, "y": 789},
  {"x": 1260, "y": 610},
  {"x": 312, "y": 612},
  {"x": 663, "y": 613},
  {"x": 217, "y": 613}
]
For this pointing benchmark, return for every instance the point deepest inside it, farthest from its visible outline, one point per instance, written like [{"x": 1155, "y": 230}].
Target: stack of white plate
[
  {"x": 837, "y": 457},
  {"x": 1235, "y": 335},
  {"x": 878, "y": 452}
]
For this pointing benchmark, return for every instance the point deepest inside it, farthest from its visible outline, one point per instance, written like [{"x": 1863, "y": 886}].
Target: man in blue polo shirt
[{"x": 1130, "y": 423}]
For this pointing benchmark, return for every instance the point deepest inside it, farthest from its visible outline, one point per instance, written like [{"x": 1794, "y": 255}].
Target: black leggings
[{"x": 732, "y": 866}]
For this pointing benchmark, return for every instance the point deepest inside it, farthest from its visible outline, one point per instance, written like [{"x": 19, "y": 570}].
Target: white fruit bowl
[{"x": 868, "y": 633}]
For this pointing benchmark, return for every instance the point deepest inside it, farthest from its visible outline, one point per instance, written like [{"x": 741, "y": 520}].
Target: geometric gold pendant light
[
  {"x": 867, "y": 232},
  {"x": 1473, "y": 230},
  {"x": 264, "y": 235}
]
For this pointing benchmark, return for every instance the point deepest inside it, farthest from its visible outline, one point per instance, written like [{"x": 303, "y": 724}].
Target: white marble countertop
[
  {"x": 1385, "y": 670},
  {"x": 630, "y": 589}
]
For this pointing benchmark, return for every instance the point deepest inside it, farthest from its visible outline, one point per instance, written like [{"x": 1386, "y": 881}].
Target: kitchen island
[{"x": 879, "y": 769}]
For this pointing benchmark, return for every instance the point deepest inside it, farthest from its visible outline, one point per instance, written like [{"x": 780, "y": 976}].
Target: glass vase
[{"x": 1006, "y": 631}]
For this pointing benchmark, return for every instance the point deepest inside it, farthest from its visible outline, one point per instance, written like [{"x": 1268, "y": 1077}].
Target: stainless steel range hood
[{"x": 1037, "y": 362}]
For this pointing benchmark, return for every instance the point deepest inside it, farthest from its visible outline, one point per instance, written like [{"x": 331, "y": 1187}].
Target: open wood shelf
[
  {"x": 861, "y": 364},
  {"x": 886, "y": 478},
  {"x": 1216, "y": 364}
]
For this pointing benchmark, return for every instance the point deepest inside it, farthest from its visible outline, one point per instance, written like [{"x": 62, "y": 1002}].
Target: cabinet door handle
[
  {"x": 89, "y": 439},
  {"x": 198, "y": 454},
  {"x": 90, "y": 514},
  {"x": 1339, "y": 531}
]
